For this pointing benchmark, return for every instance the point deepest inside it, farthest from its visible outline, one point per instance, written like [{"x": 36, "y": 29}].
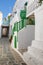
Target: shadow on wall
[{"x": 25, "y": 36}]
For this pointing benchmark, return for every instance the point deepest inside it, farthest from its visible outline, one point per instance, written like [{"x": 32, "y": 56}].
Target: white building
[
  {"x": 4, "y": 25},
  {"x": 1, "y": 17},
  {"x": 26, "y": 34},
  {"x": 34, "y": 55}
]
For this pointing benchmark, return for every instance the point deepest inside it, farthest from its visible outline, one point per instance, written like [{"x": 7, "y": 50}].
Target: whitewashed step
[
  {"x": 38, "y": 54},
  {"x": 33, "y": 56},
  {"x": 30, "y": 60},
  {"x": 37, "y": 44}
]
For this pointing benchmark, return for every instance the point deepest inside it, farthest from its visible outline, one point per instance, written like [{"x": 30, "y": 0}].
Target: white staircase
[{"x": 33, "y": 56}]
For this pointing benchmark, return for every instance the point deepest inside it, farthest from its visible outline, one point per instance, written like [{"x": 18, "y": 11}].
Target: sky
[{"x": 6, "y": 6}]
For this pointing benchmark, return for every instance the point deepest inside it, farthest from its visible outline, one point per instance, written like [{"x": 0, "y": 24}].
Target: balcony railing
[{"x": 33, "y": 6}]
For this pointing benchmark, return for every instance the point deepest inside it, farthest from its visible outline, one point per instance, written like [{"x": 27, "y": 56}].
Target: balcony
[{"x": 30, "y": 8}]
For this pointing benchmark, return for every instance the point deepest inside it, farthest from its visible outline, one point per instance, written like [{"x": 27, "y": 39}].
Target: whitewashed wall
[
  {"x": 39, "y": 23},
  {"x": 25, "y": 36},
  {"x": 0, "y": 31},
  {"x": 10, "y": 30},
  {"x": 19, "y": 5},
  {"x": 12, "y": 43}
]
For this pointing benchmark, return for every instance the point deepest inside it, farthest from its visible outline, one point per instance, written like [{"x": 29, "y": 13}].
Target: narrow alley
[
  {"x": 7, "y": 55},
  {"x": 21, "y": 32}
]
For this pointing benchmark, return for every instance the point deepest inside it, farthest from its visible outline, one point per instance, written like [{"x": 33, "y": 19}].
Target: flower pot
[{"x": 42, "y": 2}]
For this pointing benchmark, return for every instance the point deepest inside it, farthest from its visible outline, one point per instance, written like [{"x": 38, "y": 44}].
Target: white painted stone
[
  {"x": 37, "y": 44},
  {"x": 12, "y": 43},
  {"x": 34, "y": 55},
  {"x": 39, "y": 24},
  {"x": 10, "y": 30},
  {"x": 25, "y": 36},
  {"x": 0, "y": 31}
]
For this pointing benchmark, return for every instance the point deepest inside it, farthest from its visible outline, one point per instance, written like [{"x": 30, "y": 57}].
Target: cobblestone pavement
[{"x": 7, "y": 55}]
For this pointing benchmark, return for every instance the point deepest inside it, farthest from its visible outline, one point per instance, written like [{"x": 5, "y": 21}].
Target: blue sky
[{"x": 6, "y": 6}]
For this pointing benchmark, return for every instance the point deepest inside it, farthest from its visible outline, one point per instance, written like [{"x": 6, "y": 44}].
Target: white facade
[
  {"x": 39, "y": 24},
  {"x": 1, "y": 16},
  {"x": 32, "y": 5},
  {"x": 24, "y": 39},
  {"x": 25, "y": 36},
  {"x": 34, "y": 55},
  {"x": 0, "y": 31},
  {"x": 19, "y": 5}
]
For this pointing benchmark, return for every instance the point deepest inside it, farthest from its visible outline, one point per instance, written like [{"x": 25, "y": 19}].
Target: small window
[
  {"x": 26, "y": 3},
  {"x": 15, "y": 12}
]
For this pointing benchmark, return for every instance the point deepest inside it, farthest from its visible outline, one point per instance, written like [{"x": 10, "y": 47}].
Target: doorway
[{"x": 5, "y": 31}]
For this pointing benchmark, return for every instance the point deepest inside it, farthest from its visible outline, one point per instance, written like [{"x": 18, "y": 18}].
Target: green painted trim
[
  {"x": 25, "y": 20},
  {"x": 20, "y": 25},
  {"x": 23, "y": 23},
  {"x": 15, "y": 28},
  {"x": 15, "y": 42}
]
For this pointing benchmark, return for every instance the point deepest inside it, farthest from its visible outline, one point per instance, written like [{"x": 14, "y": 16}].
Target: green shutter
[
  {"x": 22, "y": 23},
  {"x": 25, "y": 20},
  {"x": 23, "y": 14},
  {"x": 18, "y": 26}
]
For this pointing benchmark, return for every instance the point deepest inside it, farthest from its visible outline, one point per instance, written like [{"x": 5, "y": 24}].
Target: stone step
[
  {"x": 6, "y": 55},
  {"x": 22, "y": 50},
  {"x": 31, "y": 60},
  {"x": 33, "y": 54},
  {"x": 37, "y": 53},
  {"x": 37, "y": 44}
]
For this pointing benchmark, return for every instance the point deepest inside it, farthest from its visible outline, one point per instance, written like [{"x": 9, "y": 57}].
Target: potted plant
[{"x": 40, "y": 1}]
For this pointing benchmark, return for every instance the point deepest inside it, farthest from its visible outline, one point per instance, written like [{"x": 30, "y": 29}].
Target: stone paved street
[{"x": 7, "y": 55}]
